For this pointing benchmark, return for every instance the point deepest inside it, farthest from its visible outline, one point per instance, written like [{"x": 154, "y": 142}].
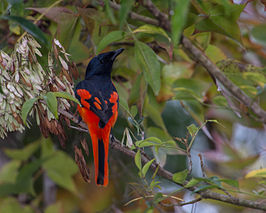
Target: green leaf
[
  {"x": 133, "y": 110},
  {"x": 146, "y": 167},
  {"x": 157, "y": 135},
  {"x": 154, "y": 183},
  {"x": 15, "y": 7},
  {"x": 22, "y": 154},
  {"x": 215, "y": 53},
  {"x": 136, "y": 90},
  {"x": 1, "y": 90},
  {"x": 154, "y": 110},
  {"x": 158, "y": 197},
  {"x": 221, "y": 17},
  {"x": 12, "y": 2},
  {"x": 204, "y": 187},
  {"x": 255, "y": 77},
  {"x": 109, "y": 12},
  {"x": 242, "y": 162},
  {"x": 24, "y": 181},
  {"x": 59, "y": 167},
  {"x": 151, "y": 141},
  {"x": 143, "y": 143},
  {"x": 27, "y": 106},
  {"x": 148, "y": 61},
  {"x": 150, "y": 29},
  {"x": 8, "y": 189},
  {"x": 150, "y": 210},
  {"x": 259, "y": 173},
  {"x": 69, "y": 31},
  {"x": 175, "y": 70},
  {"x": 12, "y": 205},
  {"x": 190, "y": 89},
  {"x": 220, "y": 100},
  {"x": 138, "y": 160},
  {"x": 180, "y": 177},
  {"x": 29, "y": 27},
  {"x": 203, "y": 38},
  {"x": 54, "y": 208},
  {"x": 214, "y": 180},
  {"x": 178, "y": 19},
  {"x": 126, "y": 6},
  {"x": 160, "y": 155},
  {"x": 212, "y": 120},
  {"x": 258, "y": 33},
  {"x": 66, "y": 95},
  {"x": 123, "y": 96},
  {"x": 110, "y": 38},
  {"x": 192, "y": 129},
  {"x": 230, "y": 182},
  {"x": 9, "y": 172},
  {"x": 51, "y": 101},
  {"x": 192, "y": 183},
  {"x": 182, "y": 93}
]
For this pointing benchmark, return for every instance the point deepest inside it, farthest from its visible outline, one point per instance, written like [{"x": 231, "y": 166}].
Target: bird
[{"x": 99, "y": 109}]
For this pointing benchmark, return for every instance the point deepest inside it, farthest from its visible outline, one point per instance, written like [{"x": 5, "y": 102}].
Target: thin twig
[
  {"x": 151, "y": 196},
  {"x": 160, "y": 16},
  {"x": 202, "y": 166},
  {"x": 214, "y": 71},
  {"x": 116, "y": 144},
  {"x": 182, "y": 204},
  {"x": 79, "y": 129},
  {"x": 191, "y": 202},
  {"x": 197, "y": 55}
]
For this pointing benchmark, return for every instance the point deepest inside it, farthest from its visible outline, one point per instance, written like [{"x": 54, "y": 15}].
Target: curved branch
[
  {"x": 197, "y": 55},
  {"x": 116, "y": 144},
  {"x": 214, "y": 71}
]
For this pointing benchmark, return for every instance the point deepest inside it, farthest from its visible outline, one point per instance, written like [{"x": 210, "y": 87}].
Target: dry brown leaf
[
  {"x": 80, "y": 161},
  {"x": 85, "y": 146}
]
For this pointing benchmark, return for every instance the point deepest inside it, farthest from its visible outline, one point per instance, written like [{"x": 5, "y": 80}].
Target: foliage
[
  {"x": 172, "y": 112},
  {"x": 29, "y": 81}
]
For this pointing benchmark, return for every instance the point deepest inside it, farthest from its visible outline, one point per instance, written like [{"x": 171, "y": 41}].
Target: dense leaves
[
  {"x": 109, "y": 38},
  {"x": 258, "y": 33},
  {"x": 29, "y": 27},
  {"x": 220, "y": 17},
  {"x": 172, "y": 112},
  {"x": 148, "y": 61}
]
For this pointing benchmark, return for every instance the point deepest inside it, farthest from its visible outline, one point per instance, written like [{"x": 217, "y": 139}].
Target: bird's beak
[{"x": 116, "y": 53}]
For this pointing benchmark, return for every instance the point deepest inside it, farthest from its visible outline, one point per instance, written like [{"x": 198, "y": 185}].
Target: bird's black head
[{"x": 102, "y": 63}]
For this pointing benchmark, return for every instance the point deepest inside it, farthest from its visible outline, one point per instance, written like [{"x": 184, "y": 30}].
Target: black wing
[{"x": 99, "y": 102}]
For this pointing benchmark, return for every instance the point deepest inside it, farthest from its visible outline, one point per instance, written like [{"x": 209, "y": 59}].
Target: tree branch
[
  {"x": 116, "y": 144},
  {"x": 161, "y": 17},
  {"x": 197, "y": 55}
]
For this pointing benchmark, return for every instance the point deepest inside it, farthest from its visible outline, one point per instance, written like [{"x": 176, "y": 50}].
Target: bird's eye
[{"x": 101, "y": 61}]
